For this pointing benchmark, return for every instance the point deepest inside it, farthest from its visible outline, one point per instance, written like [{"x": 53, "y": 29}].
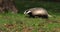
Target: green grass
[{"x": 19, "y": 23}]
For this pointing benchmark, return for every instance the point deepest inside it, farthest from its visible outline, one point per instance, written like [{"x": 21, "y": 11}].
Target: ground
[{"x": 19, "y": 23}]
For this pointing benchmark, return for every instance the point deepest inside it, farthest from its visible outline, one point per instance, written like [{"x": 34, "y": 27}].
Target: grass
[{"x": 19, "y": 23}]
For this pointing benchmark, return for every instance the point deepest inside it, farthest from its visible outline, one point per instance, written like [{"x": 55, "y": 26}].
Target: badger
[{"x": 37, "y": 12}]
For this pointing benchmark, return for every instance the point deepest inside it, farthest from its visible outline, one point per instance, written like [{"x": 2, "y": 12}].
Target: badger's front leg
[{"x": 31, "y": 16}]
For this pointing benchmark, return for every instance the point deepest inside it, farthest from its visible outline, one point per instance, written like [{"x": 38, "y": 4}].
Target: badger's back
[{"x": 38, "y": 11}]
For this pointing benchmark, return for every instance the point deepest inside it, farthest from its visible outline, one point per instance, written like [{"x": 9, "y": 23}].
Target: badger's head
[{"x": 27, "y": 12}]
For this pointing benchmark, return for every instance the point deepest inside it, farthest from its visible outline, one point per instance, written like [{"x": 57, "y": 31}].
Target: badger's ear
[{"x": 28, "y": 11}]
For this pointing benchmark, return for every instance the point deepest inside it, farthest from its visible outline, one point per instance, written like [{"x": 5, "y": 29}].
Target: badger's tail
[{"x": 50, "y": 15}]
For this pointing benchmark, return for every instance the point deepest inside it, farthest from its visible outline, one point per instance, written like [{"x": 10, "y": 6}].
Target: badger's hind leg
[{"x": 43, "y": 16}]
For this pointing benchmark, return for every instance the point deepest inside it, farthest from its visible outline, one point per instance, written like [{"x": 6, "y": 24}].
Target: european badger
[{"x": 37, "y": 12}]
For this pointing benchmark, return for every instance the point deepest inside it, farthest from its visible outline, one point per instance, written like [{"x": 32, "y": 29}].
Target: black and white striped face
[{"x": 27, "y": 12}]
